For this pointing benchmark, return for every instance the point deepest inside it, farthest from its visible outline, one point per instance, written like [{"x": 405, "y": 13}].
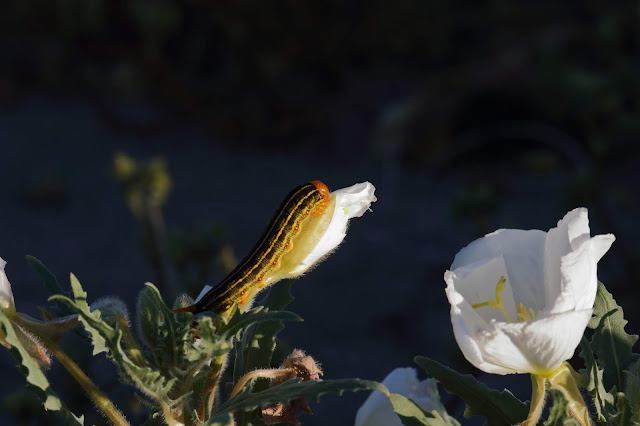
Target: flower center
[{"x": 524, "y": 313}]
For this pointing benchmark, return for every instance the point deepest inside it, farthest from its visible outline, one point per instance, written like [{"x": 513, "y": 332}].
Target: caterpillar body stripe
[{"x": 282, "y": 246}]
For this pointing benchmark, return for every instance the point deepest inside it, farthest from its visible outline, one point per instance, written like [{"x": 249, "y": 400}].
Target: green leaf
[
  {"x": 412, "y": 415},
  {"x": 107, "y": 339},
  {"x": 254, "y": 349},
  {"x": 224, "y": 419},
  {"x": 612, "y": 345},
  {"x": 559, "y": 412},
  {"x": 241, "y": 321},
  {"x": 51, "y": 284},
  {"x": 293, "y": 389},
  {"x": 603, "y": 400},
  {"x": 624, "y": 416},
  {"x": 500, "y": 408},
  {"x": 632, "y": 389},
  {"x": 159, "y": 326},
  {"x": 34, "y": 375},
  {"x": 260, "y": 339}
]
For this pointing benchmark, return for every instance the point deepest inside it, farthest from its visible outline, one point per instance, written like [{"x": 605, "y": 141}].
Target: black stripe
[{"x": 229, "y": 289}]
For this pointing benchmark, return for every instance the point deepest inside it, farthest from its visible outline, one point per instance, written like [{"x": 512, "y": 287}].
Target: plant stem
[
  {"x": 101, "y": 401},
  {"x": 271, "y": 373}
]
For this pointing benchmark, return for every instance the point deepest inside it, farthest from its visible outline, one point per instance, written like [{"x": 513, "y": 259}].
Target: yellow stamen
[
  {"x": 496, "y": 304},
  {"x": 526, "y": 314}
]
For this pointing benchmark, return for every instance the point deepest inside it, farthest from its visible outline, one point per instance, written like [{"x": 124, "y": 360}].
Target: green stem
[
  {"x": 210, "y": 393},
  {"x": 538, "y": 390},
  {"x": 101, "y": 401},
  {"x": 271, "y": 373},
  {"x": 132, "y": 348}
]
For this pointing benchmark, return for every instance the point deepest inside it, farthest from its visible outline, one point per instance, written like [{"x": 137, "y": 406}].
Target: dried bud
[{"x": 295, "y": 365}]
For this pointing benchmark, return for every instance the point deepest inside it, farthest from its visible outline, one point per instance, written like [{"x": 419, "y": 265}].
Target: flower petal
[
  {"x": 477, "y": 283},
  {"x": 377, "y": 410},
  {"x": 467, "y": 326},
  {"x": 571, "y": 232},
  {"x": 351, "y": 202},
  {"x": 600, "y": 244},
  {"x": 523, "y": 256},
  {"x": 545, "y": 342},
  {"x": 7, "y": 304}
]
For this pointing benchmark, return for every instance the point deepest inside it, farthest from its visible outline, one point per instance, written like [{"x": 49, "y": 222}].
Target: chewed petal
[
  {"x": 350, "y": 202},
  {"x": 356, "y": 199},
  {"x": 545, "y": 342}
]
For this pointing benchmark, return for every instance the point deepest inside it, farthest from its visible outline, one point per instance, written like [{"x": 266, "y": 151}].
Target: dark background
[{"x": 467, "y": 116}]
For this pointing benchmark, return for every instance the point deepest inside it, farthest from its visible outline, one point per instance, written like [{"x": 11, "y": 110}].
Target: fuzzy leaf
[
  {"x": 612, "y": 345},
  {"x": 159, "y": 326},
  {"x": 559, "y": 413},
  {"x": 602, "y": 399},
  {"x": 293, "y": 389},
  {"x": 209, "y": 343},
  {"x": 632, "y": 389},
  {"x": 34, "y": 375},
  {"x": 241, "y": 321},
  {"x": 259, "y": 341},
  {"x": 51, "y": 284},
  {"x": 254, "y": 349},
  {"x": 500, "y": 408},
  {"x": 624, "y": 416},
  {"x": 107, "y": 339}
]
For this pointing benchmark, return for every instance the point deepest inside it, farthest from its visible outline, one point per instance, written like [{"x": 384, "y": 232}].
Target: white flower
[
  {"x": 520, "y": 300},
  {"x": 343, "y": 205},
  {"x": 377, "y": 409},
  {"x": 350, "y": 202},
  {"x": 7, "y": 304}
]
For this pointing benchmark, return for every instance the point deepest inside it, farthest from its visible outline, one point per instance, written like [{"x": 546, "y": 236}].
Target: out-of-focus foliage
[{"x": 249, "y": 69}]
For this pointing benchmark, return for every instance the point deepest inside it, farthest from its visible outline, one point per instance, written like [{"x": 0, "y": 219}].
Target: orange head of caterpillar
[{"x": 324, "y": 191}]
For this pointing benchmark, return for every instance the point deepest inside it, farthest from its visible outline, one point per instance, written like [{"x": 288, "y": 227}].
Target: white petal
[
  {"x": 523, "y": 257},
  {"x": 571, "y": 258},
  {"x": 600, "y": 244},
  {"x": 350, "y": 202},
  {"x": 570, "y": 233},
  {"x": 554, "y": 275},
  {"x": 467, "y": 325},
  {"x": 377, "y": 409},
  {"x": 7, "y": 303},
  {"x": 477, "y": 283},
  {"x": 204, "y": 291},
  {"x": 545, "y": 342}
]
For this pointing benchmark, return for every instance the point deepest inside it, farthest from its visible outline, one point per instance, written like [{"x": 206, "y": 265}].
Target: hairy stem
[
  {"x": 101, "y": 401},
  {"x": 270, "y": 373}
]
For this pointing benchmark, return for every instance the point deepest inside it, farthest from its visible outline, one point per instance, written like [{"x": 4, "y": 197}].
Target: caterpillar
[{"x": 276, "y": 255}]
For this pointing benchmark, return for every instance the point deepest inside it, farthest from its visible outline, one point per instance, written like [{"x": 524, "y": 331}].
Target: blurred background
[{"x": 152, "y": 140}]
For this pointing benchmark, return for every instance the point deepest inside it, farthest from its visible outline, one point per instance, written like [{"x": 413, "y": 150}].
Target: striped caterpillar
[{"x": 278, "y": 253}]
